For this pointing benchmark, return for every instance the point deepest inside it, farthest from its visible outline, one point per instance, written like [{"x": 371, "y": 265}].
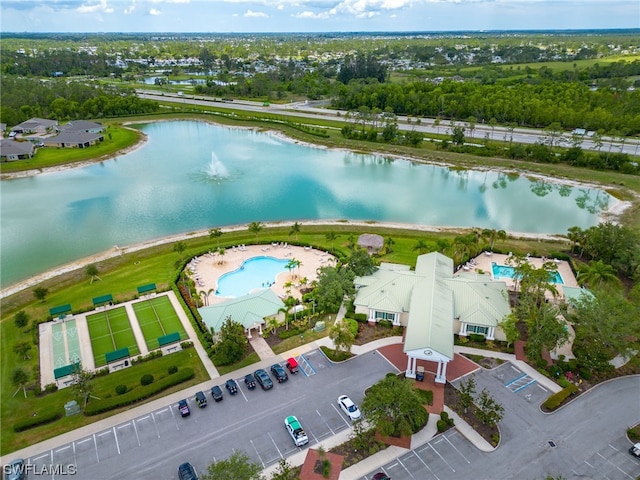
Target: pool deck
[{"x": 209, "y": 267}]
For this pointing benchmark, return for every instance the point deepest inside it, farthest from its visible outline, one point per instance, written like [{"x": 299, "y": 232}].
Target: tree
[
  {"x": 179, "y": 248},
  {"x": 421, "y": 246},
  {"x": 232, "y": 343},
  {"x": 493, "y": 235},
  {"x": 597, "y": 274},
  {"x": 221, "y": 252},
  {"x": 19, "y": 378},
  {"x": 342, "y": 337},
  {"x": 578, "y": 238},
  {"x": 471, "y": 123},
  {"x": 361, "y": 263},
  {"x": 216, "y": 233},
  {"x": 489, "y": 411},
  {"x": 92, "y": 272},
  {"x": 393, "y": 407},
  {"x": 41, "y": 293},
  {"x": 237, "y": 467},
  {"x": 284, "y": 471},
  {"x": 492, "y": 123},
  {"x": 22, "y": 350},
  {"x": 509, "y": 326},
  {"x": 81, "y": 383},
  {"x": 466, "y": 391},
  {"x": 256, "y": 228},
  {"x": 21, "y": 319},
  {"x": 333, "y": 285},
  {"x": 389, "y": 242},
  {"x": 295, "y": 229},
  {"x": 272, "y": 324},
  {"x": 331, "y": 236},
  {"x": 457, "y": 135}
]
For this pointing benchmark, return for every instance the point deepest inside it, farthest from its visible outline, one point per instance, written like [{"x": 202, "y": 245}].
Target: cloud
[
  {"x": 154, "y": 12},
  {"x": 252, "y": 14},
  {"x": 354, "y": 8},
  {"x": 100, "y": 7}
]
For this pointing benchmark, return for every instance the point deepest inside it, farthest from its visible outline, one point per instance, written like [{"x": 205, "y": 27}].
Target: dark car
[
  {"x": 231, "y": 386},
  {"x": 381, "y": 476},
  {"x": 263, "y": 378},
  {"x": 216, "y": 393},
  {"x": 279, "y": 373},
  {"x": 201, "y": 400},
  {"x": 250, "y": 381},
  {"x": 15, "y": 470},
  {"x": 187, "y": 472},
  {"x": 183, "y": 406}
]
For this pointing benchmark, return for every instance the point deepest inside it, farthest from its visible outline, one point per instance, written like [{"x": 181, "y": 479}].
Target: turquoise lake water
[{"x": 192, "y": 175}]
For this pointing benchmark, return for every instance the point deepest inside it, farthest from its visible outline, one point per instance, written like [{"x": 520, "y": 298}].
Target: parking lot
[{"x": 252, "y": 421}]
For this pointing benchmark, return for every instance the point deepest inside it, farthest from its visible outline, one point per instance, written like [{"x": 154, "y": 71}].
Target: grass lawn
[
  {"x": 157, "y": 318},
  {"x": 110, "y": 330}
]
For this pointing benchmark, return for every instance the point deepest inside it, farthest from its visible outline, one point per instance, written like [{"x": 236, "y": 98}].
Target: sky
[{"x": 238, "y": 16}]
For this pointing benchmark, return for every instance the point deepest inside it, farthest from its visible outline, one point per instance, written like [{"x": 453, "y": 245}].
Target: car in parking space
[
  {"x": 231, "y": 386},
  {"x": 183, "y": 408},
  {"x": 294, "y": 427},
  {"x": 349, "y": 408},
  {"x": 635, "y": 450},
  {"x": 381, "y": 476},
  {"x": 187, "y": 472},
  {"x": 216, "y": 393},
  {"x": 15, "y": 470},
  {"x": 250, "y": 381},
  {"x": 263, "y": 378},
  {"x": 292, "y": 365},
  {"x": 278, "y": 372},
  {"x": 201, "y": 400}
]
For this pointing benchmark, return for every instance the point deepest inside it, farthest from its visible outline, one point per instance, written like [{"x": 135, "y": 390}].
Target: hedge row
[
  {"x": 555, "y": 400},
  {"x": 36, "y": 421},
  {"x": 289, "y": 333},
  {"x": 99, "y": 406}
]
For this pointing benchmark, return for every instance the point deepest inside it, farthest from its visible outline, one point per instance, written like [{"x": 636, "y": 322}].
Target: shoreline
[
  {"x": 120, "y": 250},
  {"x": 612, "y": 213}
]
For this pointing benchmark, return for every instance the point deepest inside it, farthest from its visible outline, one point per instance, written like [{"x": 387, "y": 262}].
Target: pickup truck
[{"x": 296, "y": 431}]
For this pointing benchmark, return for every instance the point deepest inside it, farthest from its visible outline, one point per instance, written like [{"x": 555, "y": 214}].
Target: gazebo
[{"x": 371, "y": 242}]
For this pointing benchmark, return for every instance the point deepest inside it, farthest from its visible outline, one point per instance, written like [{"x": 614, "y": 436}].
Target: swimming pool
[
  {"x": 255, "y": 272},
  {"x": 505, "y": 271}
]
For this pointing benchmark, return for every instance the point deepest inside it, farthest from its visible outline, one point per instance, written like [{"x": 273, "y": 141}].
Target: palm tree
[
  {"x": 421, "y": 246},
  {"x": 221, "y": 252},
  {"x": 92, "y": 271},
  {"x": 442, "y": 244},
  {"x": 388, "y": 244},
  {"x": 331, "y": 236},
  {"x": 492, "y": 235},
  {"x": 295, "y": 229},
  {"x": 578, "y": 238},
  {"x": 205, "y": 299},
  {"x": 597, "y": 274},
  {"x": 272, "y": 324},
  {"x": 215, "y": 233},
  {"x": 291, "y": 264},
  {"x": 287, "y": 287},
  {"x": 256, "y": 227}
]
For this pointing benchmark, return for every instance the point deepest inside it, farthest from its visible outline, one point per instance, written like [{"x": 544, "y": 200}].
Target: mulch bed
[
  {"x": 451, "y": 401},
  {"x": 313, "y": 468},
  {"x": 368, "y": 332},
  {"x": 353, "y": 455}
]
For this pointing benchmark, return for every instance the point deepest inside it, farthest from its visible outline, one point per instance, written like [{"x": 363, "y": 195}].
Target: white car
[{"x": 348, "y": 407}]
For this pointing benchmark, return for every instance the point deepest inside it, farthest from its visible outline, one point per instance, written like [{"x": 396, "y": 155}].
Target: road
[{"x": 307, "y": 110}]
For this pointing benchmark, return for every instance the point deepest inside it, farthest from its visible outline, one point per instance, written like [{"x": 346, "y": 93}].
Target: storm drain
[{"x": 552, "y": 444}]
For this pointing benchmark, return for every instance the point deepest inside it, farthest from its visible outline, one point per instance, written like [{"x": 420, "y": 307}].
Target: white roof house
[
  {"x": 433, "y": 304},
  {"x": 249, "y": 310}
]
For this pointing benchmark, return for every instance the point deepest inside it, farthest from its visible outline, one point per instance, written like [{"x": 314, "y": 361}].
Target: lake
[{"x": 192, "y": 175}]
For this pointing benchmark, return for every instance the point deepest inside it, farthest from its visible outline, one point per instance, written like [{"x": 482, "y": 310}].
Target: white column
[
  {"x": 463, "y": 329},
  {"x": 411, "y": 368},
  {"x": 441, "y": 376},
  {"x": 491, "y": 333}
]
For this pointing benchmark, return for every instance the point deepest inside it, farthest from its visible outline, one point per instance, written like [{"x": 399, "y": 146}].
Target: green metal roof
[
  {"x": 480, "y": 302},
  {"x": 249, "y": 310}
]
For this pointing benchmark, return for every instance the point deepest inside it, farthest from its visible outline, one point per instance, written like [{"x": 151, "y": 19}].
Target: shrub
[
  {"x": 426, "y": 396},
  {"x": 444, "y": 416},
  {"x": 385, "y": 323},
  {"x": 360, "y": 317},
  {"x": 50, "y": 388},
  {"x": 289, "y": 333},
  {"x": 442, "y": 426},
  {"x": 563, "y": 382},
  {"x": 146, "y": 379},
  {"x": 353, "y": 326},
  {"x": 95, "y": 407},
  {"x": 21, "y": 319},
  {"x": 121, "y": 389},
  {"x": 555, "y": 400},
  {"x": 172, "y": 369},
  {"x": 476, "y": 337},
  {"x": 36, "y": 421}
]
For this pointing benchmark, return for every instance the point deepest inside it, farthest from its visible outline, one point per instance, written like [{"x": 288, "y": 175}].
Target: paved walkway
[{"x": 261, "y": 347}]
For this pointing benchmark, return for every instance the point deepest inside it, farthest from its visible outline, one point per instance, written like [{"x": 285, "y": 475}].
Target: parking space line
[
  {"x": 259, "y": 457},
  {"x": 438, "y": 453},
  {"x": 340, "y": 414},
  {"x": 63, "y": 449},
  {"x": 425, "y": 463},
  {"x": 104, "y": 433},
  {"x": 116, "y": 437},
  {"x": 240, "y": 390},
  {"x": 325, "y": 422},
  {"x": 174, "y": 417},
  {"x": 154, "y": 422},
  {"x": 456, "y": 449},
  {"x": 524, "y": 386},
  {"x": 613, "y": 464},
  {"x": 75, "y": 460},
  {"x": 515, "y": 380},
  {"x": 275, "y": 445},
  {"x": 402, "y": 464},
  {"x": 79, "y": 442},
  {"x": 95, "y": 445},
  {"x": 124, "y": 425},
  {"x": 165, "y": 409},
  {"x": 136, "y": 429},
  {"x": 41, "y": 456}
]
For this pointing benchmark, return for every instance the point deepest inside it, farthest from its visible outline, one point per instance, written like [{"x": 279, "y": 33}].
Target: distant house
[
  {"x": 73, "y": 140},
  {"x": 35, "y": 126},
  {"x": 81, "y": 126},
  {"x": 10, "y": 150},
  {"x": 433, "y": 305},
  {"x": 249, "y": 310}
]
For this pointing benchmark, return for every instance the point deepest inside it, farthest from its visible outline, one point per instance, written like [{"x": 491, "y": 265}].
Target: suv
[
  {"x": 292, "y": 365},
  {"x": 262, "y": 377},
  {"x": 183, "y": 407},
  {"x": 296, "y": 431},
  {"x": 187, "y": 472},
  {"x": 201, "y": 400},
  {"x": 231, "y": 386},
  {"x": 216, "y": 393},
  {"x": 279, "y": 373},
  {"x": 250, "y": 381}
]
